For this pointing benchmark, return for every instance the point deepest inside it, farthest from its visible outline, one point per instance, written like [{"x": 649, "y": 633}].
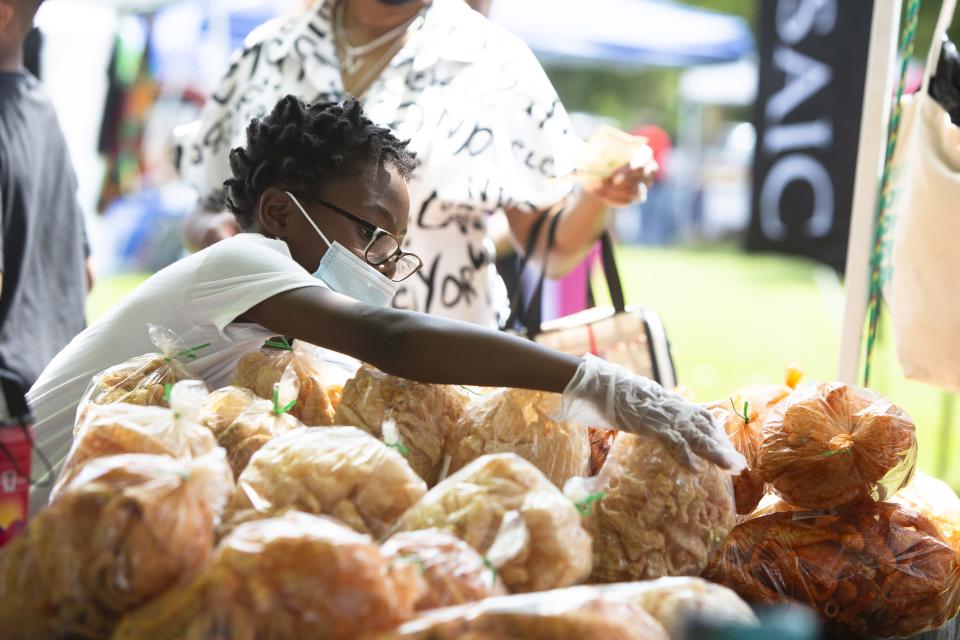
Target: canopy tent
[{"x": 625, "y": 32}]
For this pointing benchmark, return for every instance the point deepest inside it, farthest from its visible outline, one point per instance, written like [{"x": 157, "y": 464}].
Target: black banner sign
[{"x": 813, "y": 60}]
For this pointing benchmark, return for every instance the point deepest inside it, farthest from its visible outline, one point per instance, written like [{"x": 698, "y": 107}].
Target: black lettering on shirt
[
  {"x": 438, "y": 214},
  {"x": 477, "y": 142},
  {"x": 459, "y": 287}
]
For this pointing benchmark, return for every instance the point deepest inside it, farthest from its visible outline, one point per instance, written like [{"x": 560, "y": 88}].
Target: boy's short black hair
[{"x": 302, "y": 147}]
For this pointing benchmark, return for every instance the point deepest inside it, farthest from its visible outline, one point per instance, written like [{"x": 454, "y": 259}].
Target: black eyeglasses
[{"x": 383, "y": 246}]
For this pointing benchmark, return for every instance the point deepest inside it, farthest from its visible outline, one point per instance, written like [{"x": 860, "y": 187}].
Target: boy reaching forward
[{"x": 320, "y": 192}]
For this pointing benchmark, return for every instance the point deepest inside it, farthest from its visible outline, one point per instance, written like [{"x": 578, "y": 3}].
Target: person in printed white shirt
[
  {"x": 487, "y": 127},
  {"x": 321, "y": 195}
]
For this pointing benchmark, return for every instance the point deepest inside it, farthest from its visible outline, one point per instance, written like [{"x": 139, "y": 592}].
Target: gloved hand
[{"x": 603, "y": 394}]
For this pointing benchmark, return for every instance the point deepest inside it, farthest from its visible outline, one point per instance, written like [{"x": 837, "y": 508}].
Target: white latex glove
[{"x": 603, "y": 394}]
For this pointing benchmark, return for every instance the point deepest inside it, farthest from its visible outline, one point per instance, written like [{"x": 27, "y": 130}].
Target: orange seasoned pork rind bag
[
  {"x": 295, "y": 576},
  {"x": 424, "y": 414},
  {"x": 336, "y": 471},
  {"x": 520, "y": 421},
  {"x": 563, "y": 614},
  {"x": 870, "y": 570},
  {"x": 831, "y": 445},
  {"x": 319, "y": 382},
  {"x": 127, "y": 529},
  {"x": 118, "y": 428},
  {"x": 454, "y": 572},
  {"x": 144, "y": 379},
  {"x": 654, "y": 517},
  {"x": 742, "y": 416},
  {"x": 601, "y": 440},
  {"x": 508, "y": 511},
  {"x": 937, "y": 501}
]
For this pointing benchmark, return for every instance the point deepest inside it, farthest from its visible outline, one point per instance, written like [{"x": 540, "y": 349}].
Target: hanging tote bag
[
  {"x": 923, "y": 292},
  {"x": 630, "y": 336}
]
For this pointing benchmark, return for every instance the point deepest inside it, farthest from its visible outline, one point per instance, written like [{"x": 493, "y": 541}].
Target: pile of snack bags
[
  {"x": 307, "y": 500},
  {"x": 834, "y": 514}
]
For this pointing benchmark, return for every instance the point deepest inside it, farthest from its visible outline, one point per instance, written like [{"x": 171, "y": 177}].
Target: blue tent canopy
[{"x": 625, "y": 32}]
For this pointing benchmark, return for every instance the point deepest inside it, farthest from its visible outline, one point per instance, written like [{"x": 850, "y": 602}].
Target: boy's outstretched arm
[
  {"x": 428, "y": 349},
  {"x": 414, "y": 345}
]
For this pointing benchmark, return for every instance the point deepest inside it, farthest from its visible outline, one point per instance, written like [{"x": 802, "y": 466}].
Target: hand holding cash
[{"x": 616, "y": 167}]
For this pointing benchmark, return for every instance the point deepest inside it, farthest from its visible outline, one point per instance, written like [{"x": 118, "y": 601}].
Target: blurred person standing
[
  {"x": 657, "y": 223},
  {"x": 43, "y": 242},
  {"x": 487, "y": 126}
]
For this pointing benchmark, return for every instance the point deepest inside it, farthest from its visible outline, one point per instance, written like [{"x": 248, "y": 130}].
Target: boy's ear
[
  {"x": 275, "y": 211},
  {"x": 7, "y": 19}
]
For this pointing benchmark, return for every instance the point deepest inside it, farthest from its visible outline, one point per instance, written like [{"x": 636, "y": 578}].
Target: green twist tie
[
  {"x": 279, "y": 342},
  {"x": 189, "y": 354},
  {"x": 167, "y": 388},
  {"x": 746, "y": 411},
  {"x": 277, "y": 410},
  {"x": 469, "y": 390},
  {"x": 827, "y": 454},
  {"x": 489, "y": 565},
  {"x": 585, "y": 507},
  {"x": 399, "y": 446}
]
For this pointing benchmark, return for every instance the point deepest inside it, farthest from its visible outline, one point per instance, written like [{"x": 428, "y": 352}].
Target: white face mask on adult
[{"x": 347, "y": 273}]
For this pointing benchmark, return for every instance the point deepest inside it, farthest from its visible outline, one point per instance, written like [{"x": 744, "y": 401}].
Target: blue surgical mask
[{"x": 347, "y": 273}]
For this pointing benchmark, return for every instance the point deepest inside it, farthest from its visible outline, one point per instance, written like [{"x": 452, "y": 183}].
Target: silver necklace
[{"x": 350, "y": 55}]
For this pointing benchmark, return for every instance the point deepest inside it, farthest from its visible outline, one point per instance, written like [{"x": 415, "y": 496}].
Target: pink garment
[{"x": 568, "y": 295}]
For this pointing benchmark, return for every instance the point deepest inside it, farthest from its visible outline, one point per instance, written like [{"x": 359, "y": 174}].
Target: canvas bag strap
[
  {"x": 519, "y": 311},
  {"x": 611, "y": 273}
]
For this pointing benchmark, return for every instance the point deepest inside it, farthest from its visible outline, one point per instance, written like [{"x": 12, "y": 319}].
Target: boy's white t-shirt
[{"x": 198, "y": 298}]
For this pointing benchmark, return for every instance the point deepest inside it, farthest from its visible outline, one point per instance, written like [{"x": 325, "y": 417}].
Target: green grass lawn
[{"x": 734, "y": 319}]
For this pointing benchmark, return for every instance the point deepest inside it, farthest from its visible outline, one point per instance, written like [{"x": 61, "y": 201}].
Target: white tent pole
[{"x": 874, "y": 118}]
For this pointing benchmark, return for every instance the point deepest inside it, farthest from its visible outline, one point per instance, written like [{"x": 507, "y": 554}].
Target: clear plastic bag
[
  {"x": 937, "y": 501},
  {"x": 118, "y": 428},
  {"x": 507, "y": 510},
  {"x": 144, "y": 379},
  {"x": 259, "y": 422},
  {"x": 653, "y": 516},
  {"x": 127, "y": 529},
  {"x": 874, "y": 569},
  {"x": 743, "y": 416},
  {"x": 454, "y": 572},
  {"x": 242, "y": 421},
  {"x": 424, "y": 414},
  {"x": 831, "y": 445},
  {"x": 675, "y": 600},
  {"x": 295, "y": 576},
  {"x": 223, "y": 406},
  {"x": 337, "y": 471},
  {"x": 520, "y": 421},
  {"x": 318, "y": 382},
  {"x": 564, "y": 614}
]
